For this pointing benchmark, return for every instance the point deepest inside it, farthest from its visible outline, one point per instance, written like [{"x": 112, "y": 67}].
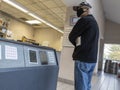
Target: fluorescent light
[
  {"x": 15, "y": 5},
  {"x": 33, "y": 22},
  {"x": 54, "y": 27},
  {"x": 38, "y": 18}
]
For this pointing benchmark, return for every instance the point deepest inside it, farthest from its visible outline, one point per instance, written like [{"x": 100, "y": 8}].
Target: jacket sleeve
[{"x": 77, "y": 30}]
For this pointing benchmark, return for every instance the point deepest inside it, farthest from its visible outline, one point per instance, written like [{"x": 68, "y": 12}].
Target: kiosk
[{"x": 27, "y": 67}]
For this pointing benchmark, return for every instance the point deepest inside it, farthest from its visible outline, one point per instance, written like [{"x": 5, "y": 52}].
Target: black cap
[{"x": 75, "y": 8}]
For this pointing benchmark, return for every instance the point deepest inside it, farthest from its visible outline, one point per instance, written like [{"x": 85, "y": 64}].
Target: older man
[{"x": 85, "y": 54}]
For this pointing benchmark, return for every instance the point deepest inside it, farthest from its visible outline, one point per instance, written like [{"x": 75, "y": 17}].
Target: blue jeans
[{"x": 83, "y": 75}]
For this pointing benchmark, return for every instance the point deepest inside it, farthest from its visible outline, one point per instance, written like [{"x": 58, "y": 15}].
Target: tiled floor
[
  {"x": 63, "y": 86},
  {"x": 106, "y": 82},
  {"x": 101, "y": 81}
]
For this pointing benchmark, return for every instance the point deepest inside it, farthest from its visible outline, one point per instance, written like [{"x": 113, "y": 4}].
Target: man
[{"x": 85, "y": 54}]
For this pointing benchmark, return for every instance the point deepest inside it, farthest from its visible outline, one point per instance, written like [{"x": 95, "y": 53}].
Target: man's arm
[{"x": 77, "y": 30}]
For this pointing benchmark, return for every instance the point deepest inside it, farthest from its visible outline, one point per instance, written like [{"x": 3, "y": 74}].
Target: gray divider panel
[
  {"x": 27, "y": 67},
  {"x": 39, "y": 57},
  {"x": 31, "y": 56},
  {"x": 11, "y": 55}
]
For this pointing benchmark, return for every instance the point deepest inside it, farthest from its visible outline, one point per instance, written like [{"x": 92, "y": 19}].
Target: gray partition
[
  {"x": 13, "y": 60},
  {"x": 27, "y": 56},
  {"x": 27, "y": 67}
]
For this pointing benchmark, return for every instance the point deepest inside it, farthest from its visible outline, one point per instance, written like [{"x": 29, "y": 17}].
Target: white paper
[
  {"x": 78, "y": 41},
  {"x": 11, "y": 53},
  {"x": 51, "y": 57},
  {"x": 0, "y": 53}
]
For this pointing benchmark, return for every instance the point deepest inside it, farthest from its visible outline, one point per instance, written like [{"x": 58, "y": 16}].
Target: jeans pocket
[{"x": 83, "y": 67}]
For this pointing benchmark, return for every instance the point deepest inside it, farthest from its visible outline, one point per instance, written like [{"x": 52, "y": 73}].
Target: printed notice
[
  {"x": 51, "y": 57},
  {"x": 0, "y": 52},
  {"x": 11, "y": 53}
]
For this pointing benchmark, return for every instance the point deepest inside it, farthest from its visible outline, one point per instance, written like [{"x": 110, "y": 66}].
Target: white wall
[
  {"x": 18, "y": 28},
  {"x": 66, "y": 63},
  {"x": 52, "y": 36},
  {"x": 112, "y": 32}
]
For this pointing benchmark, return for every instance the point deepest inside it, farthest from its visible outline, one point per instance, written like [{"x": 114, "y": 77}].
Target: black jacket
[{"x": 87, "y": 29}]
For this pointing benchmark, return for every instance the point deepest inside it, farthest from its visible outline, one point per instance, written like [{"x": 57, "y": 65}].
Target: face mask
[{"x": 80, "y": 12}]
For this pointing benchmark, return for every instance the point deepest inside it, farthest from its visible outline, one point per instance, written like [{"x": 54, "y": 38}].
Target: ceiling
[
  {"x": 72, "y": 2},
  {"x": 112, "y": 10},
  {"x": 52, "y": 11}
]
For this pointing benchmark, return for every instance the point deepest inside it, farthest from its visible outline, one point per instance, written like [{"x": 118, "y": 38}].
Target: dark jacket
[{"x": 87, "y": 29}]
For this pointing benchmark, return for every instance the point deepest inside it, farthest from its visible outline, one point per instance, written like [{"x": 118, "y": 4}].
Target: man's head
[{"x": 82, "y": 9}]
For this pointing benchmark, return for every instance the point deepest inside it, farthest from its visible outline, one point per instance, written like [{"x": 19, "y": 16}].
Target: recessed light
[{"x": 33, "y": 22}]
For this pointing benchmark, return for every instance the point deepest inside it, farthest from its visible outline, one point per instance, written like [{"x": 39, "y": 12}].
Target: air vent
[{"x": 23, "y": 19}]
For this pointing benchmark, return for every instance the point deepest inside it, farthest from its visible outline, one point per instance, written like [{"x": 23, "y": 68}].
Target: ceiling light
[
  {"x": 33, "y": 22},
  {"x": 38, "y": 18},
  {"x": 54, "y": 27},
  {"x": 15, "y": 5}
]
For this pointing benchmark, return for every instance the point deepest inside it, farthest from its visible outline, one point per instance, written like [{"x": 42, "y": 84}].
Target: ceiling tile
[
  {"x": 57, "y": 10},
  {"x": 26, "y": 2},
  {"x": 50, "y": 4},
  {"x": 59, "y": 3},
  {"x": 51, "y": 10}
]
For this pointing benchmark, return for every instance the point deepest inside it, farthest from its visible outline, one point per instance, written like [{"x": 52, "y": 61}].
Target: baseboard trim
[{"x": 70, "y": 82}]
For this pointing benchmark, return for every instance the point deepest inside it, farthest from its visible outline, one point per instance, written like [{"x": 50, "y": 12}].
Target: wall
[
  {"x": 66, "y": 63},
  {"x": 50, "y": 35},
  {"x": 112, "y": 32},
  {"x": 20, "y": 29}
]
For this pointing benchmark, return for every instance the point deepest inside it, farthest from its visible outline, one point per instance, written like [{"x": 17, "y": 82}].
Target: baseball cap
[{"x": 75, "y": 8}]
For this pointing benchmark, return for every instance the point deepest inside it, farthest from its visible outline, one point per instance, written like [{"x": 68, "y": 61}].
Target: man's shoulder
[{"x": 90, "y": 18}]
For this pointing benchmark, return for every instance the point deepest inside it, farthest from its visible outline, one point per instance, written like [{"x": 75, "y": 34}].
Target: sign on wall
[{"x": 73, "y": 20}]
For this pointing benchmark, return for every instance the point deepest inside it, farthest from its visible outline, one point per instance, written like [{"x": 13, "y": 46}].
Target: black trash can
[
  {"x": 107, "y": 66},
  {"x": 113, "y": 67}
]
